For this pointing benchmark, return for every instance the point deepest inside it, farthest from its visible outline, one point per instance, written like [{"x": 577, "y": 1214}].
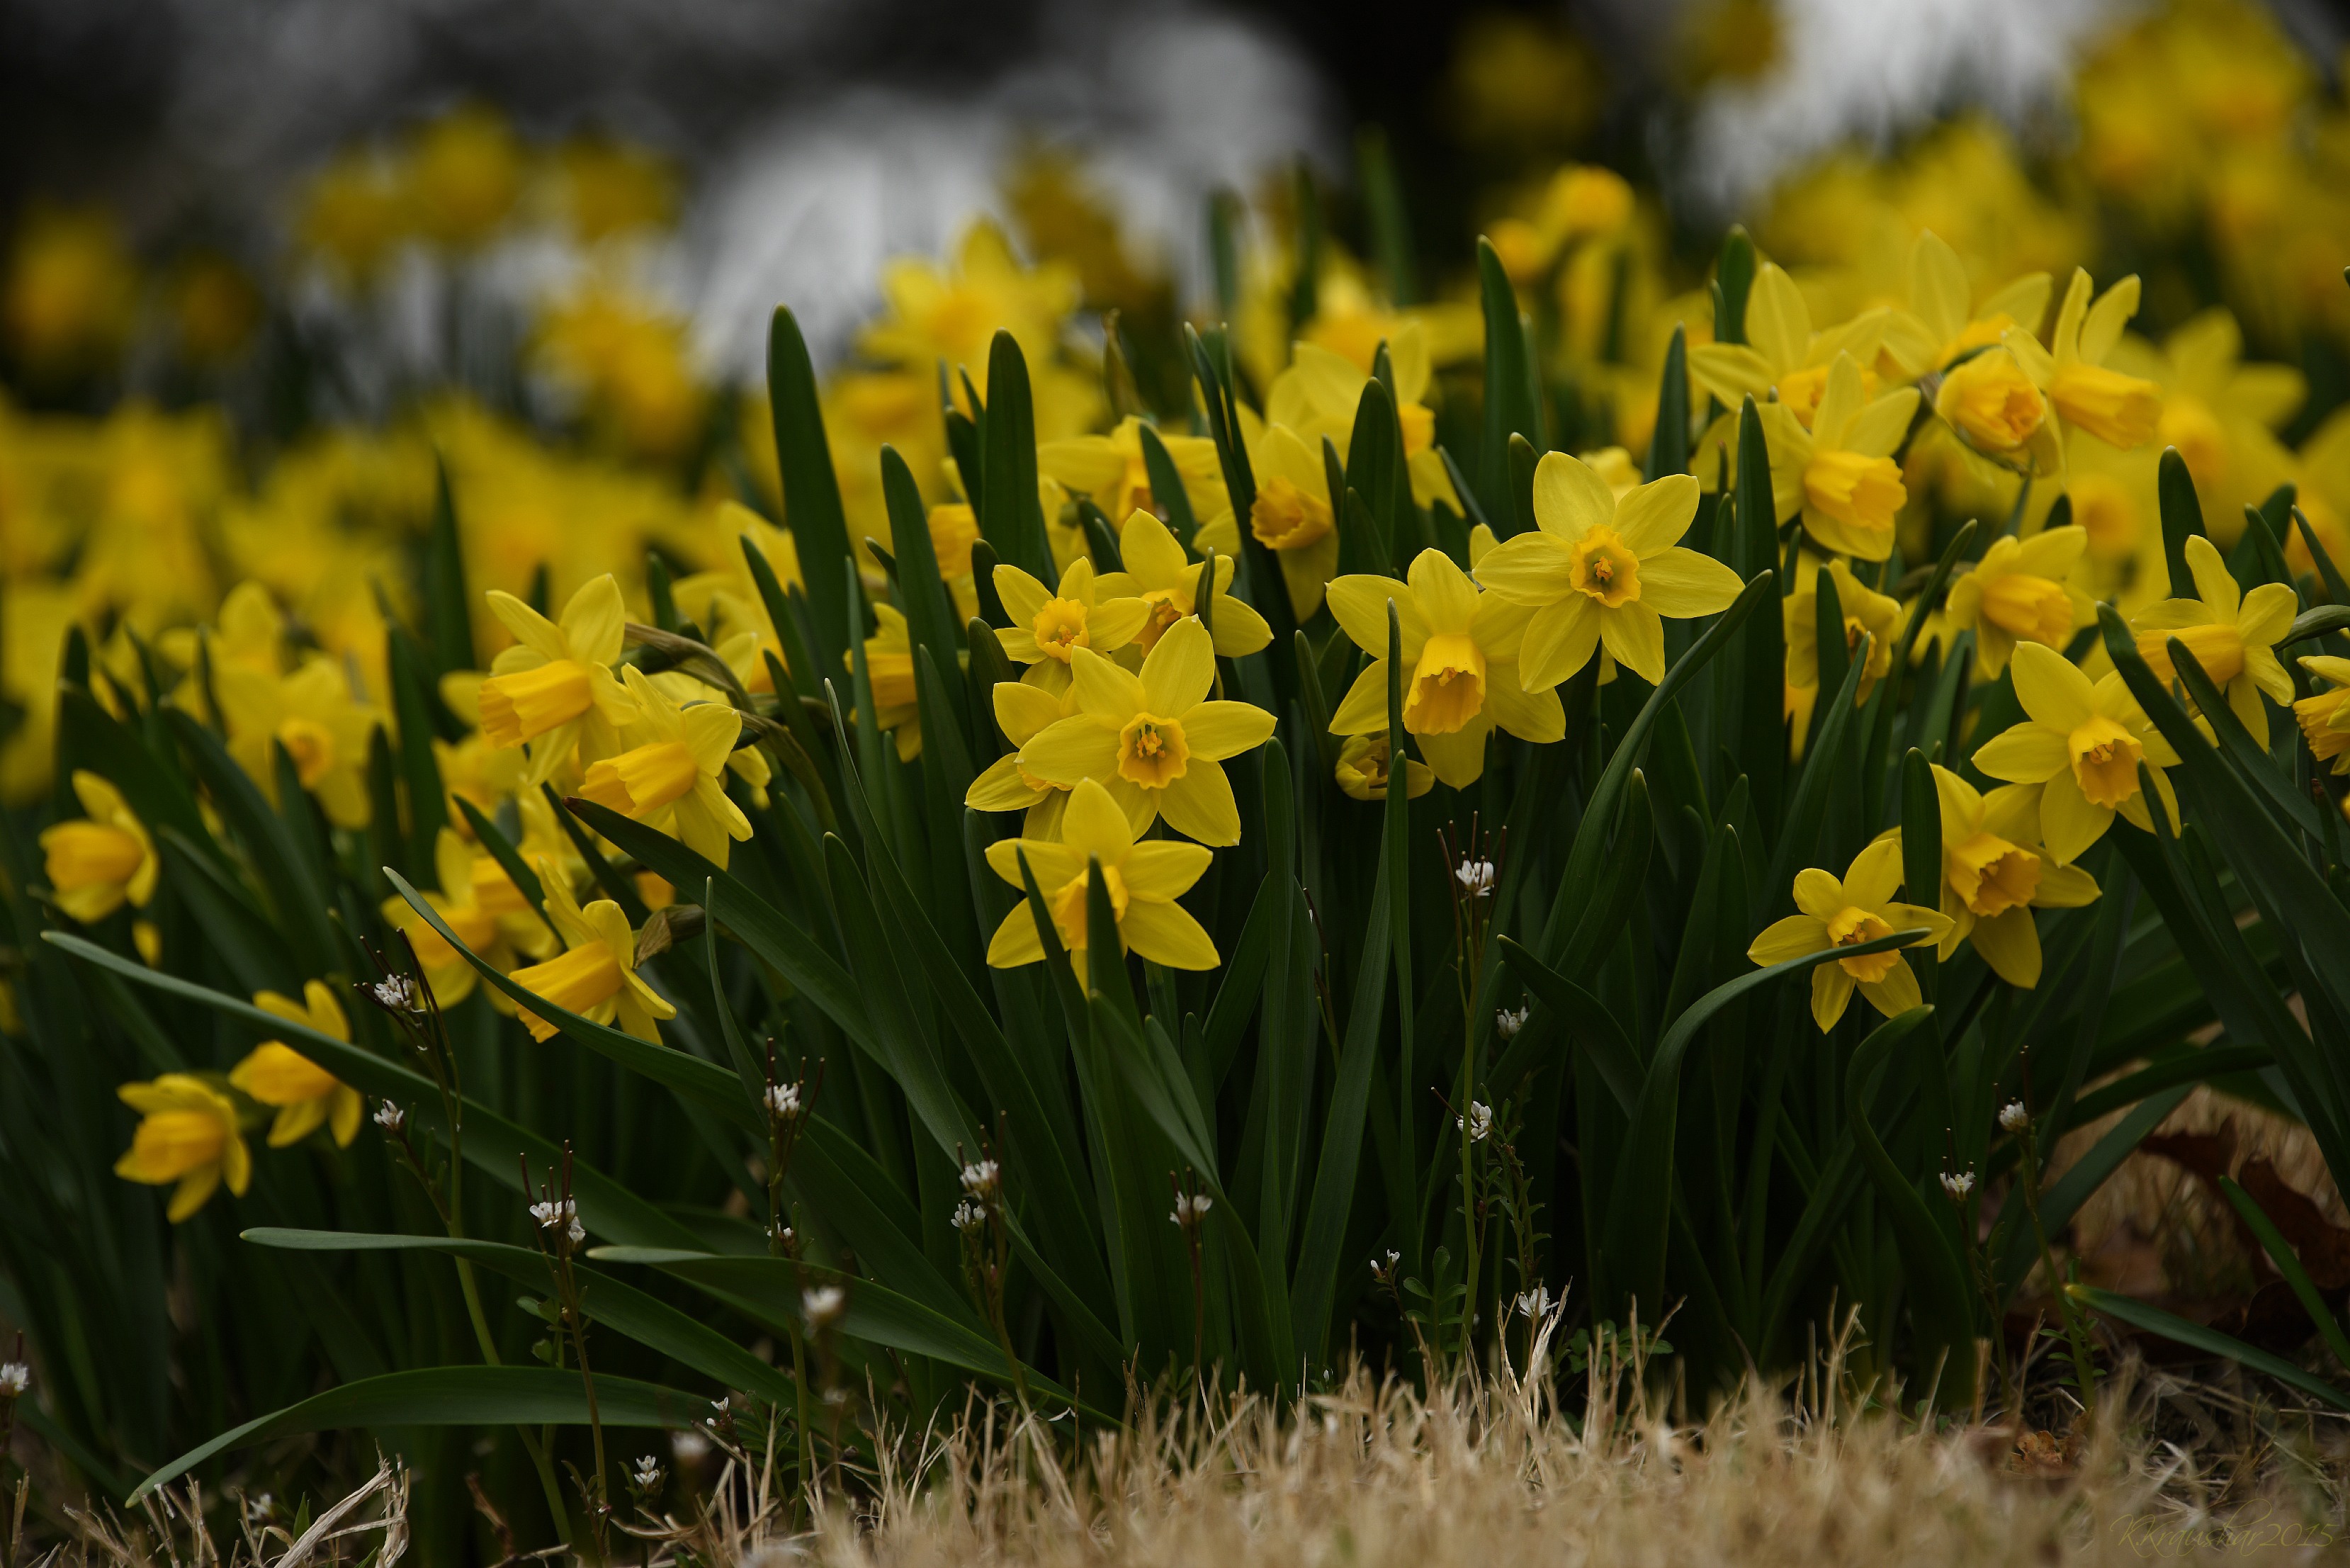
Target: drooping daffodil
[
  {"x": 1942, "y": 322},
  {"x": 669, "y": 777},
  {"x": 1142, "y": 881},
  {"x": 1838, "y": 474},
  {"x": 2118, "y": 409},
  {"x": 2325, "y": 716},
  {"x": 1598, "y": 571},
  {"x": 315, "y": 719},
  {"x": 2081, "y": 741},
  {"x": 1782, "y": 359},
  {"x": 1365, "y": 769},
  {"x": 304, "y": 1094},
  {"x": 96, "y": 862},
  {"x": 596, "y": 975},
  {"x": 479, "y": 902},
  {"x": 187, "y": 1140},
  {"x": 555, "y": 689},
  {"x": 2021, "y": 591},
  {"x": 1994, "y": 875},
  {"x": 1844, "y": 912}
]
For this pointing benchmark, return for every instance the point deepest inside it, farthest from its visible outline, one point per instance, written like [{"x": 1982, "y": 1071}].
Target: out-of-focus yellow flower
[
  {"x": 1942, "y": 321},
  {"x": 306, "y": 1095},
  {"x": 889, "y": 667},
  {"x": 2325, "y": 716},
  {"x": 2232, "y": 635},
  {"x": 1142, "y": 882},
  {"x": 612, "y": 188},
  {"x": 355, "y": 213},
  {"x": 596, "y": 975},
  {"x": 2118, "y": 409},
  {"x": 2083, "y": 743},
  {"x": 93, "y": 865},
  {"x": 2221, "y": 415},
  {"x": 1318, "y": 395},
  {"x": 1782, "y": 358},
  {"x": 1291, "y": 517},
  {"x": 1839, "y": 473},
  {"x": 671, "y": 776},
  {"x": 1521, "y": 84},
  {"x": 187, "y": 1140},
  {"x": 71, "y": 292},
  {"x": 1582, "y": 201},
  {"x": 2323, "y": 495},
  {"x": 1364, "y": 769},
  {"x": 2021, "y": 591},
  {"x": 954, "y": 529},
  {"x": 1109, "y": 468},
  {"x": 1993, "y": 404},
  {"x": 1866, "y": 612},
  {"x": 555, "y": 687},
  {"x": 1155, "y": 741},
  {"x": 1846, "y": 912},
  {"x": 1160, "y": 575},
  {"x": 630, "y": 365},
  {"x": 1049, "y": 625},
  {"x": 314, "y": 718},
  {"x": 464, "y": 175},
  {"x": 479, "y": 901},
  {"x": 1598, "y": 570},
  {"x": 952, "y": 312},
  {"x": 1463, "y": 646},
  {"x": 1993, "y": 875}
]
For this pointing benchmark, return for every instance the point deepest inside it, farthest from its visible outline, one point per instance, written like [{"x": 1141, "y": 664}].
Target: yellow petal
[
  {"x": 1163, "y": 868},
  {"x": 1793, "y": 936},
  {"x": 1167, "y": 934},
  {"x": 1570, "y": 498},
  {"x": 1682, "y": 583},
  {"x": 1093, "y": 824},
  {"x": 1179, "y": 671},
  {"x": 2051, "y": 690},
  {"x": 1819, "y": 894},
  {"x": 1199, "y": 804},
  {"x": 1226, "y": 729}
]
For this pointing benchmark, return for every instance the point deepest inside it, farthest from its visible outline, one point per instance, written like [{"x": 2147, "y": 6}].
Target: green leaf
[
  {"x": 1669, "y": 442},
  {"x": 2209, "y": 1341},
  {"x": 1011, "y": 515},
  {"x": 929, "y": 612},
  {"x": 448, "y": 619},
  {"x": 2288, "y": 1263},
  {"x": 1167, "y": 487},
  {"x": 1585, "y": 1017},
  {"x": 453, "y": 1396},
  {"x": 2326, "y": 620},
  {"x": 2064, "y": 1197},
  {"x": 2182, "y": 516},
  {"x": 1510, "y": 404},
  {"x": 811, "y": 493},
  {"x": 1734, "y": 280}
]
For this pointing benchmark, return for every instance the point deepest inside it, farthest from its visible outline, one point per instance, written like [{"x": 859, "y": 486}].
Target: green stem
[{"x": 2083, "y": 1372}]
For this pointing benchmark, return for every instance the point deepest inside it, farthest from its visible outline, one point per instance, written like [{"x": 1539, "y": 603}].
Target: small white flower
[
  {"x": 969, "y": 1216},
  {"x": 1477, "y": 1123},
  {"x": 979, "y": 1177},
  {"x": 823, "y": 1305},
  {"x": 783, "y": 1101},
  {"x": 1475, "y": 876},
  {"x": 1381, "y": 1270},
  {"x": 649, "y": 1472},
  {"x": 1959, "y": 1186},
  {"x": 391, "y": 1117},
  {"x": 1535, "y": 1304},
  {"x": 563, "y": 1213},
  {"x": 2013, "y": 1116},
  {"x": 15, "y": 1379},
  {"x": 1507, "y": 1024},
  {"x": 690, "y": 1447},
  {"x": 260, "y": 1507},
  {"x": 399, "y": 993},
  {"x": 1189, "y": 1211}
]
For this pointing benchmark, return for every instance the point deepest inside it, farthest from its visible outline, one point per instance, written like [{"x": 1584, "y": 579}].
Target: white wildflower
[
  {"x": 784, "y": 1100},
  {"x": 15, "y": 1379},
  {"x": 649, "y": 1472},
  {"x": 1188, "y": 1211},
  {"x": 391, "y": 1117},
  {"x": 1536, "y": 1302},
  {"x": 1959, "y": 1186},
  {"x": 1507, "y": 1024},
  {"x": 2013, "y": 1116},
  {"x": 399, "y": 993},
  {"x": 562, "y": 1212},
  {"x": 969, "y": 1216},
  {"x": 1475, "y": 876},
  {"x": 823, "y": 1305},
  {"x": 980, "y": 1177},
  {"x": 1477, "y": 1123},
  {"x": 1383, "y": 1271}
]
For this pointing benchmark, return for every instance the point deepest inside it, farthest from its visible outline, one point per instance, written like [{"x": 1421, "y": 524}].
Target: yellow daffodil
[
  {"x": 1365, "y": 767},
  {"x": 596, "y": 975},
  {"x": 1993, "y": 405},
  {"x": 2118, "y": 409},
  {"x": 96, "y": 863},
  {"x": 669, "y": 777},
  {"x": 1169, "y": 584},
  {"x": 2023, "y": 590},
  {"x": 2232, "y": 635},
  {"x": 187, "y": 1135},
  {"x": 480, "y": 902},
  {"x": 889, "y": 667},
  {"x": 1994, "y": 875},
  {"x": 306, "y": 1095},
  {"x": 2222, "y": 415},
  {"x": 2083, "y": 742},
  {"x": 954, "y": 529},
  {"x": 1321, "y": 392},
  {"x": 1463, "y": 648},
  {"x": 1049, "y": 625},
  {"x": 1110, "y": 469},
  {"x": 2325, "y": 716},
  {"x": 555, "y": 689},
  {"x": 313, "y": 717},
  {"x": 1836, "y": 469},
  {"x": 1866, "y": 612},
  {"x": 1846, "y": 913},
  {"x": 1290, "y": 516},
  {"x": 1942, "y": 322},
  {"x": 1597, "y": 570},
  {"x": 1155, "y": 742},
  {"x": 1782, "y": 358},
  {"x": 726, "y": 604},
  {"x": 1023, "y": 712},
  {"x": 1142, "y": 880}
]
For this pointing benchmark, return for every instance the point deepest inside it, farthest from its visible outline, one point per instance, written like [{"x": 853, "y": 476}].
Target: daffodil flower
[
  {"x": 313, "y": 717},
  {"x": 1023, "y": 712},
  {"x": 2118, "y": 409},
  {"x": 1866, "y": 612},
  {"x": 2223, "y": 415},
  {"x": 595, "y": 976},
  {"x": 1049, "y": 625},
  {"x": 2023, "y": 590},
  {"x": 555, "y": 689},
  {"x": 1839, "y": 473},
  {"x": 1290, "y": 516},
  {"x": 1994, "y": 875},
  {"x": 1782, "y": 359},
  {"x": 2325, "y": 716},
  {"x": 955, "y": 528},
  {"x": 1143, "y": 881},
  {"x": 306, "y": 1095},
  {"x": 1111, "y": 470},
  {"x": 1847, "y": 913},
  {"x": 187, "y": 1135},
  {"x": 670, "y": 778},
  {"x": 1321, "y": 391},
  {"x": 477, "y": 900},
  {"x": 1463, "y": 648},
  {"x": 95, "y": 863},
  {"x": 1155, "y": 741},
  {"x": 1596, "y": 570},
  {"x": 2232, "y": 635},
  {"x": 1999, "y": 412},
  {"x": 890, "y": 667},
  {"x": 1169, "y": 584},
  {"x": 2083, "y": 742},
  {"x": 1942, "y": 322},
  {"x": 1364, "y": 769}
]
